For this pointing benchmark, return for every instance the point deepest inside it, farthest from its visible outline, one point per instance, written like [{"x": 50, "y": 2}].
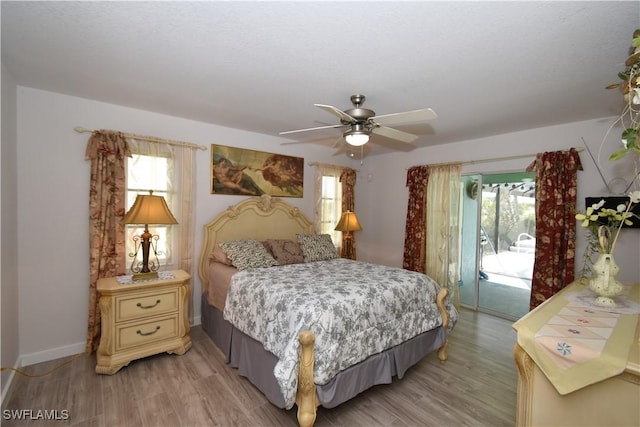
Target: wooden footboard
[
  {"x": 441, "y": 301},
  {"x": 306, "y": 396}
]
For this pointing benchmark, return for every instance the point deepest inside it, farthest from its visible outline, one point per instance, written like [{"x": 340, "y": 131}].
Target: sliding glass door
[{"x": 499, "y": 249}]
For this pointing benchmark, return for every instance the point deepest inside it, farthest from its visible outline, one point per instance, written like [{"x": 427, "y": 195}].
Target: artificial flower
[
  {"x": 636, "y": 96},
  {"x": 605, "y": 223},
  {"x": 588, "y": 216}
]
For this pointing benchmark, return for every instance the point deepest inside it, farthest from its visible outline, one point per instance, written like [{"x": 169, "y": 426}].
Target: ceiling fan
[{"x": 360, "y": 123}]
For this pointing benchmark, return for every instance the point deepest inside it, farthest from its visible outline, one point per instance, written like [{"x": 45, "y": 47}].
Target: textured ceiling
[{"x": 485, "y": 67}]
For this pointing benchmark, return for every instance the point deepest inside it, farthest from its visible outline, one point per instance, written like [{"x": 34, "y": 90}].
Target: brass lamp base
[{"x": 145, "y": 276}]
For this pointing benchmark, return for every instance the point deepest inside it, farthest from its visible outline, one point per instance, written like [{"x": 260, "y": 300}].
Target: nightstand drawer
[
  {"x": 142, "y": 305},
  {"x": 145, "y": 332}
]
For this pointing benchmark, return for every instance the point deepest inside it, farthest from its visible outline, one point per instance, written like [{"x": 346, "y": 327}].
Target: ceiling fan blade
[
  {"x": 308, "y": 129},
  {"x": 295, "y": 142},
  {"x": 335, "y": 111},
  {"x": 394, "y": 134},
  {"x": 405, "y": 117},
  {"x": 339, "y": 142}
]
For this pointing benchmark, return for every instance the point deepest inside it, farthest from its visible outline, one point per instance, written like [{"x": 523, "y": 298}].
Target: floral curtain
[
  {"x": 348, "y": 180},
  {"x": 556, "y": 192},
  {"x": 107, "y": 191},
  {"x": 415, "y": 227},
  {"x": 442, "y": 227}
]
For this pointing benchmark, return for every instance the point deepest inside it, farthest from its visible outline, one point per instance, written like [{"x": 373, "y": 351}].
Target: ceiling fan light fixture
[{"x": 357, "y": 138}]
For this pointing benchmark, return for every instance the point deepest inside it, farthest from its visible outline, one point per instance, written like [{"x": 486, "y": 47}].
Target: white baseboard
[
  {"x": 7, "y": 385},
  {"x": 52, "y": 354},
  {"x": 196, "y": 321}
]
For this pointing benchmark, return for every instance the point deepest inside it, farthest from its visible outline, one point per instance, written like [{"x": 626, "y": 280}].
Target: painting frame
[{"x": 245, "y": 172}]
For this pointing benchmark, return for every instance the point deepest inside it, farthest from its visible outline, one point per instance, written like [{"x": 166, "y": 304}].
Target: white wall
[
  {"x": 382, "y": 195},
  {"x": 53, "y": 178},
  {"x": 8, "y": 232}
]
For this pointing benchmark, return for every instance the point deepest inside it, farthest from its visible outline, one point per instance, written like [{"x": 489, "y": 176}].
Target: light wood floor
[{"x": 475, "y": 387}]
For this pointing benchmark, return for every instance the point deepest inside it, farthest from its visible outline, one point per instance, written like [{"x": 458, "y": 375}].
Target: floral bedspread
[{"x": 355, "y": 309}]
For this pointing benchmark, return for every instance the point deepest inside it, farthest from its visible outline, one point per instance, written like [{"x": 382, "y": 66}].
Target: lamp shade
[
  {"x": 149, "y": 209},
  {"x": 348, "y": 222}
]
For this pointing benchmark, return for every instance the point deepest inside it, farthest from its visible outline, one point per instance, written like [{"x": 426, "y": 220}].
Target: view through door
[{"x": 499, "y": 227}]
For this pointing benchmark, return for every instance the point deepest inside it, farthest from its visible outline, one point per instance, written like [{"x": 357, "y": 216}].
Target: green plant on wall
[{"x": 630, "y": 87}]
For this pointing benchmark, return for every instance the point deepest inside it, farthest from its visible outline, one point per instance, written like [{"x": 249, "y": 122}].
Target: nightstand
[{"x": 142, "y": 318}]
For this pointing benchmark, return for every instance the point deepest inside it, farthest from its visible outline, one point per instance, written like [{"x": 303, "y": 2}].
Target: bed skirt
[{"x": 256, "y": 363}]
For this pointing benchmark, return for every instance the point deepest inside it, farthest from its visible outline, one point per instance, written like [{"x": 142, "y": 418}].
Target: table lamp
[
  {"x": 147, "y": 209},
  {"x": 348, "y": 224}
]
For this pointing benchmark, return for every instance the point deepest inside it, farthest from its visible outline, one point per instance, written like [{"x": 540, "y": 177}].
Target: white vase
[{"x": 604, "y": 282}]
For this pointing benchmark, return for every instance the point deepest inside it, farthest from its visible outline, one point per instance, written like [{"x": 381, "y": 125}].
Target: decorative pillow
[
  {"x": 285, "y": 251},
  {"x": 248, "y": 253},
  {"x": 218, "y": 255},
  {"x": 317, "y": 247}
]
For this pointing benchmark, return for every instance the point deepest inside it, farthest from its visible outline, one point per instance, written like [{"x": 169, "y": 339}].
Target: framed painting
[{"x": 243, "y": 172}]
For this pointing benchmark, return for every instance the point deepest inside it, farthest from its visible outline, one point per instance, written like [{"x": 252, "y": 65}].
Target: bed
[{"x": 303, "y": 325}]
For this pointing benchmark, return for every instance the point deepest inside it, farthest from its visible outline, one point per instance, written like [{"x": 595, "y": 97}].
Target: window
[
  {"x": 330, "y": 206},
  {"x": 144, "y": 173}
]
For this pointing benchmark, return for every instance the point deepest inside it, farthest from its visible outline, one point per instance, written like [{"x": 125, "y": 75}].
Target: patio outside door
[{"x": 498, "y": 250}]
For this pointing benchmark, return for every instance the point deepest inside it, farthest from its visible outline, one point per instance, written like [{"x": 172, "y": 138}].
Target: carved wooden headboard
[{"x": 257, "y": 218}]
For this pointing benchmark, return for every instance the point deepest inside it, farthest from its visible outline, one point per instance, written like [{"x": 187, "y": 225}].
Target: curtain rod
[
  {"x": 331, "y": 166},
  {"x": 493, "y": 159},
  {"x": 80, "y": 129}
]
